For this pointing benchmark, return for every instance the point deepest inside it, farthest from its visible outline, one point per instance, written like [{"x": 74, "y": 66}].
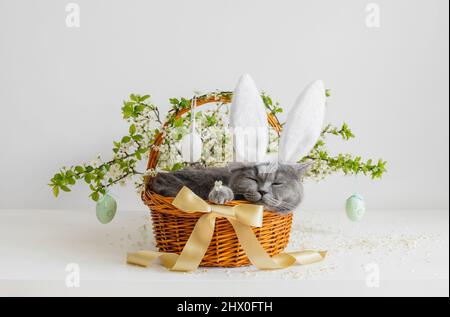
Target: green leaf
[
  {"x": 138, "y": 109},
  {"x": 143, "y": 98},
  {"x": 65, "y": 188},
  {"x": 79, "y": 169},
  {"x": 178, "y": 122},
  {"x": 174, "y": 101},
  {"x": 128, "y": 111},
  {"x": 184, "y": 104},
  {"x": 138, "y": 137},
  {"x": 95, "y": 196},
  {"x": 132, "y": 129},
  {"x": 177, "y": 167},
  {"x": 211, "y": 121},
  {"x": 267, "y": 100},
  {"x": 56, "y": 191},
  {"x": 70, "y": 174},
  {"x": 178, "y": 136},
  {"x": 88, "y": 178}
]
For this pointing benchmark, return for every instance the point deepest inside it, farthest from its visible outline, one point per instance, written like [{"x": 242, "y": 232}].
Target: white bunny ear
[
  {"x": 249, "y": 122},
  {"x": 304, "y": 125}
]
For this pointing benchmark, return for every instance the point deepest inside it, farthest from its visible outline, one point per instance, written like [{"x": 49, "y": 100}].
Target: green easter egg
[
  {"x": 355, "y": 208},
  {"x": 106, "y": 209}
]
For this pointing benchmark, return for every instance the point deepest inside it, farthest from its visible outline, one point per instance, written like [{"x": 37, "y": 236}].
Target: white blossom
[
  {"x": 120, "y": 155},
  {"x": 125, "y": 147},
  {"x": 115, "y": 171},
  {"x": 150, "y": 172},
  {"x": 97, "y": 162},
  {"x": 140, "y": 186}
]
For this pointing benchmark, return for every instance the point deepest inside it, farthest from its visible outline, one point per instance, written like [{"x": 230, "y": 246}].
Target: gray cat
[{"x": 276, "y": 186}]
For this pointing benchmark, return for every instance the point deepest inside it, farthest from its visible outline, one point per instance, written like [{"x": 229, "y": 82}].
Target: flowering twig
[{"x": 145, "y": 124}]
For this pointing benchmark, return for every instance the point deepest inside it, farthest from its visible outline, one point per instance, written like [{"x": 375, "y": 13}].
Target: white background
[{"x": 61, "y": 88}]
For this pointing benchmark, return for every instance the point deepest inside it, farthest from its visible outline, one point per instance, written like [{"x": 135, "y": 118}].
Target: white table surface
[{"x": 409, "y": 248}]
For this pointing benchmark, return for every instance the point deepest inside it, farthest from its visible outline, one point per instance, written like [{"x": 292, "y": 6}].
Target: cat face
[{"x": 276, "y": 186}]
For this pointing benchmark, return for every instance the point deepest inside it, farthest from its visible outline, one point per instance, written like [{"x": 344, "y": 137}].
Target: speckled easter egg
[
  {"x": 355, "y": 208},
  {"x": 106, "y": 209}
]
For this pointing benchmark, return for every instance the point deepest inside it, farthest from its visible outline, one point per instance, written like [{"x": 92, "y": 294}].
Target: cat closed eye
[{"x": 277, "y": 184}]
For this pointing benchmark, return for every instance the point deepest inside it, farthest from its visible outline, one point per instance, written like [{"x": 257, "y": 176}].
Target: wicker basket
[{"x": 173, "y": 227}]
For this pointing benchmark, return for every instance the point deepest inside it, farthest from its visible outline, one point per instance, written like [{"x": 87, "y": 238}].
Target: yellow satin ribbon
[{"x": 242, "y": 218}]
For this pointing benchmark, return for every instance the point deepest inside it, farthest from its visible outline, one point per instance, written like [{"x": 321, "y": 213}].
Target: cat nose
[{"x": 263, "y": 192}]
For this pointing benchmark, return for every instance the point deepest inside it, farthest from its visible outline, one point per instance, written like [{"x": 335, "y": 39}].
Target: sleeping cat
[{"x": 275, "y": 186}]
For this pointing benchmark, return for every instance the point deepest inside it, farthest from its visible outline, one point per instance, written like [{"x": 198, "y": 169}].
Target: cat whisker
[{"x": 279, "y": 204}]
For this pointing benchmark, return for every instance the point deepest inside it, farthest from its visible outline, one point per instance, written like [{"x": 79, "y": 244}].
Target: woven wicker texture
[{"x": 173, "y": 227}]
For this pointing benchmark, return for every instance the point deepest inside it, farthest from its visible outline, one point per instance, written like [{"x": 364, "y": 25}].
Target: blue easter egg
[
  {"x": 355, "y": 208},
  {"x": 106, "y": 209}
]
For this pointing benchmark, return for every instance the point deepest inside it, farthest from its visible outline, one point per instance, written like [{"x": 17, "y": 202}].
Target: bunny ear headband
[{"x": 250, "y": 127}]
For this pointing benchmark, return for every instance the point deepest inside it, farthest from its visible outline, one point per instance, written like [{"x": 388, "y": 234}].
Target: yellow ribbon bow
[{"x": 242, "y": 218}]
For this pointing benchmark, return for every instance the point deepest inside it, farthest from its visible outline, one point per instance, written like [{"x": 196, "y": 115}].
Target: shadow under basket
[{"x": 172, "y": 229}]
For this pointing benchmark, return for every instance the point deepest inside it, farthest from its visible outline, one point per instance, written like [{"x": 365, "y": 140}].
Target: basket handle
[{"x": 224, "y": 99}]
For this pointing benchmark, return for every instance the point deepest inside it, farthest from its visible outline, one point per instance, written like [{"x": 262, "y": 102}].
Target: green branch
[{"x": 145, "y": 124}]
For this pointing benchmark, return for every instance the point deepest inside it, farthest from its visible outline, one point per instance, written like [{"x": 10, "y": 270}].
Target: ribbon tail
[
  {"x": 197, "y": 245},
  {"x": 192, "y": 254},
  {"x": 259, "y": 257},
  {"x": 308, "y": 256},
  {"x": 142, "y": 258},
  {"x": 256, "y": 253}
]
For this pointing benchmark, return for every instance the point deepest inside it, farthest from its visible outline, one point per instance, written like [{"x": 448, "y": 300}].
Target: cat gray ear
[
  {"x": 235, "y": 166},
  {"x": 302, "y": 168}
]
